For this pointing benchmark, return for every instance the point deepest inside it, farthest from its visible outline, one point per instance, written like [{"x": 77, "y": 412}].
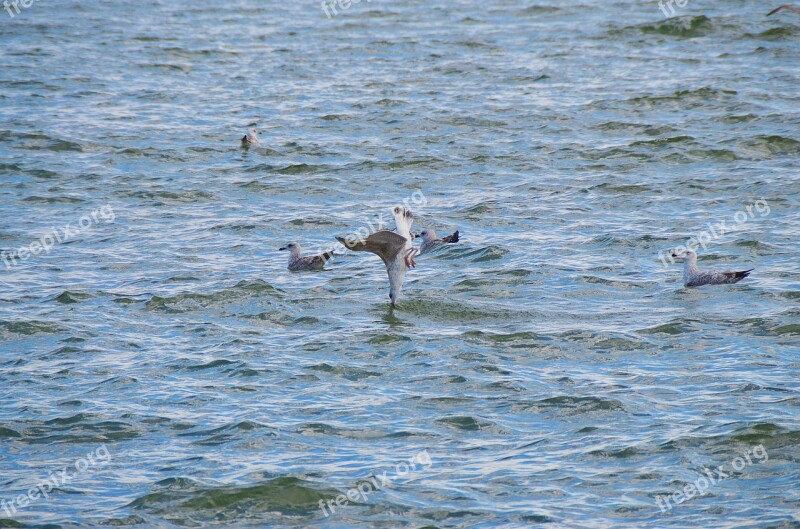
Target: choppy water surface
[{"x": 549, "y": 365}]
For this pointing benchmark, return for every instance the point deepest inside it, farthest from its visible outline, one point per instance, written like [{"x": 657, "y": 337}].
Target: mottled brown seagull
[
  {"x": 302, "y": 264},
  {"x": 694, "y": 277}
]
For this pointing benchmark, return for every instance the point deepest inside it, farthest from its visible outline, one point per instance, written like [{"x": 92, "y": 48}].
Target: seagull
[
  {"x": 429, "y": 240},
  {"x": 787, "y": 7},
  {"x": 694, "y": 277},
  {"x": 251, "y": 138},
  {"x": 393, "y": 247},
  {"x": 311, "y": 262}
]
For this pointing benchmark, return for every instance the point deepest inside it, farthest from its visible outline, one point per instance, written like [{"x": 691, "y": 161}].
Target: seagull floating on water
[
  {"x": 429, "y": 240},
  {"x": 393, "y": 247},
  {"x": 788, "y": 7},
  {"x": 694, "y": 277},
  {"x": 250, "y": 139},
  {"x": 301, "y": 264}
]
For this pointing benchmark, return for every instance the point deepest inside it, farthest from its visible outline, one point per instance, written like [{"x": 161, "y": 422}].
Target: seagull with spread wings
[{"x": 393, "y": 247}]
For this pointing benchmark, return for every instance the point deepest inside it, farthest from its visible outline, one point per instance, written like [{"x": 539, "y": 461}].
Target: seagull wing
[
  {"x": 788, "y": 7},
  {"x": 317, "y": 261},
  {"x": 735, "y": 277},
  {"x": 716, "y": 277},
  {"x": 384, "y": 244}
]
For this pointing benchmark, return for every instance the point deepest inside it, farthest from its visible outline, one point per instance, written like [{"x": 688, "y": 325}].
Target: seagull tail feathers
[{"x": 450, "y": 239}]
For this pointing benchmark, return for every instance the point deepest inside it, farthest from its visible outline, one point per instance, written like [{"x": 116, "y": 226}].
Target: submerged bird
[
  {"x": 251, "y": 138},
  {"x": 788, "y": 7},
  {"x": 393, "y": 247},
  {"x": 300, "y": 264},
  {"x": 694, "y": 277},
  {"x": 429, "y": 240}
]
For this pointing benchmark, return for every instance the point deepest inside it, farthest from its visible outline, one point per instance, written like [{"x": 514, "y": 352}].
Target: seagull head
[
  {"x": 292, "y": 247},
  {"x": 427, "y": 234},
  {"x": 688, "y": 255},
  {"x": 395, "y": 289}
]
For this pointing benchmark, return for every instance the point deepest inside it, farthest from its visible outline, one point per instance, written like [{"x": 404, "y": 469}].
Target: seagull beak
[{"x": 281, "y": 249}]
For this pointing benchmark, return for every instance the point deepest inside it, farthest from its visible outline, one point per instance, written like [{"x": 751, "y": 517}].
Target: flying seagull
[
  {"x": 788, "y": 7},
  {"x": 301, "y": 264},
  {"x": 251, "y": 138},
  {"x": 393, "y": 247},
  {"x": 694, "y": 277},
  {"x": 429, "y": 240}
]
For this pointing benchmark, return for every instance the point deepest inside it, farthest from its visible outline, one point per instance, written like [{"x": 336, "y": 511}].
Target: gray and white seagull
[
  {"x": 393, "y": 247},
  {"x": 694, "y": 277},
  {"x": 302, "y": 264},
  {"x": 429, "y": 240}
]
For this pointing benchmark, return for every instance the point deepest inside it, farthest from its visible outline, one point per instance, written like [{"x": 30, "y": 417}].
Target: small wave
[
  {"x": 81, "y": 428},
  {"x": 792, "y": 329},
  {"x": 686, "y": 27},
  {"x": 186, "y": 501},
  {"x": 12, "y": 329},
  {"x": 487, "y": 253},
  {"x": 302, "y": 168},
  {"x": 348, "y": 372},
  {"x": 189, "y": 196},
  {"x": 536, "y": 9},
  {"x": 517, "y": 340},
  {"x": 787, "y": 33},
  {"x": 8, "y": 432},
  {"x": 34, "y": 199},
  {"x": 581, "y": 405},
  {"x": 659, "y": 142},
  {"x": 194, "y": 301},
  {"x": 466, "y": 423},
  {"x": 774, "y": 144},
  {"x": 674, "y": 327},
  {"x": 620, "y": 453},
  {"x": 436, "y": 309},
  {"x": 68, "y": 297}
]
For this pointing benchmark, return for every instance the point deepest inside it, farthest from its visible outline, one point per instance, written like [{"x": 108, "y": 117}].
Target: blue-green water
[{"x": 550, "y": 366}]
